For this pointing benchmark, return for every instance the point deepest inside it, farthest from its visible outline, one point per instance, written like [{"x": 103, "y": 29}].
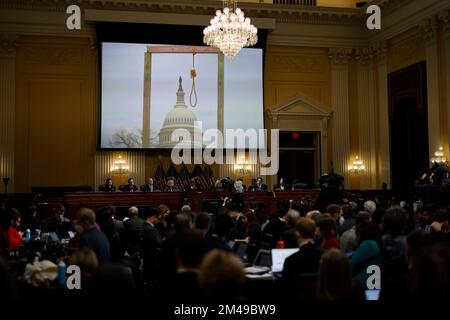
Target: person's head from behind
[
  {"x": 370, "y": 206},
  {"x": 85, "y": 219},
  {"x": 292, "y": 217},
  {"x": 261, "y": 213},
  {"x": 223, "y": 225},
  {"x": 327, "y": 226},
  {"x": 86, "y": 260},
  {"x": 415, "y": 241},
  {"x": 133, "y": 211},
  {"x": 429, "y": 276},
  {"x": 394, "y": 221},
  {"x": 335, "y": 276},
  {"x": 347, "y": 211},
  {"x": 59, "y": 211},
  {"x": 203, "y": 223},
  {"x": 362, "y": 217},
  {"x": 313, "y": 215},
  {"x": 151, "y": 215},
  {"x": 305, "y": 230},
  {"x": 366, "y": 231},
  {"x": 441, "y": 220},
  {"x": 182, "y": 222},
  {"x": 221, "y": 275},
  {"x": 334, "y": 210},
  {"x": 131, "y": 182},
  {"x": 190, "y": 250}
]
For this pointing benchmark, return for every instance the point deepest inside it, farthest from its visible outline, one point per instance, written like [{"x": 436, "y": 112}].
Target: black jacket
[{"x": 305, "y": 261}]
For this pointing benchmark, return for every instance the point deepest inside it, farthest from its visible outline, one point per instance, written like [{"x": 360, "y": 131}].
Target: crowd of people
[{"x": 191, "y": 256}]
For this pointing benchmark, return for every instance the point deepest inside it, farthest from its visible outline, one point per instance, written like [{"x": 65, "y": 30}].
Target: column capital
[
  {"x": 444, "y": 17},
  {"x": 381, "y": 50},
  {"x": 340, "y": 56},
  {"x": 8, "y": 44},
  {"x": 365, "y": 55},
  {"x": 430, "y": 28}
]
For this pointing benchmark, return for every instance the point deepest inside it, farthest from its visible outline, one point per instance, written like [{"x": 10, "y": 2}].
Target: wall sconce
[
  {"x": 438, "y": 157},
  {"x": 242, "y": 166},
  {"x": 120, "y": 166},
  {"x": 357, "y": 167}
]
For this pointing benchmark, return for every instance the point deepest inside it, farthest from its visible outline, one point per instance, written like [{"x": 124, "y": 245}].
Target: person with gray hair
[
  {"x": 91, "y": 236},
  {"x": 370, "y": 206},
  {"x": 289, "y": 237},
  {"x": 348, "y": 239},
  {"x": 132, "y": 231}
]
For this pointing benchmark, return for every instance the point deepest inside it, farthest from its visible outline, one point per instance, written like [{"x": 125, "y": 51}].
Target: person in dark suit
[
  {"x": 306, "y": 260},
  {"x": 260, "y": 186},
  {"x": 58, "y": 223},
  {"x": 108, "y": 186},
  {"x": 223, "y": 226},
  {"x": 91, "y": 236},
  {"x": 282, "y": 185},
  {"x": 171, "y": 186},
  {"x": 132, "y": 233},
  {"x": 151, "y": 247},
  {"x": 130, "y": 187},
  {"x": 149, "y": 186}
]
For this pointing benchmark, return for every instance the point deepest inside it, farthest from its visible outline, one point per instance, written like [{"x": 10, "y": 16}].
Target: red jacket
[{"x": 14, "y": 238}]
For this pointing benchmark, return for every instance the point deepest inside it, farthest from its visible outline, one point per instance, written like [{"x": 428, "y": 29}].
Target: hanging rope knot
[{"x": 193, "y": 96}]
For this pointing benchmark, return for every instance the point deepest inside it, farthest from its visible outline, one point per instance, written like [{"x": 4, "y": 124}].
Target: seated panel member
[
  {"x": 282, "y": 185},
  {"x": 171, "y": 186},
  {"x": 130, "y": 187},
  {"x": 150, "y": 186},
  {"x": 260, "y": 186},
  {"x": 108, "y": 186}
]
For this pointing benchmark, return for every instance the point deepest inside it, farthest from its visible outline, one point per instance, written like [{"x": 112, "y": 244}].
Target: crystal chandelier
[
  {"x": 439, "y": 156},
  {"x": 357, "y": 167},
  {"x": 230, "y": 31},
  {"x": 120, "y": 166}
]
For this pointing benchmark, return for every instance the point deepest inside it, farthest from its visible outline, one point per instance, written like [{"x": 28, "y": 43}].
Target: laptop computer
[
  {"x": 278, "y": 258},
  {"x": 262, "y": 263}
]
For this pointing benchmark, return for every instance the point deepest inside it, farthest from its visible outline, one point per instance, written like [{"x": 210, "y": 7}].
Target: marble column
[
  {"x": 367, "y": 117},
  {"x": 430, "y": 34},
  {"x": 8, "y": 44},
  {"x": 384, "y": 163},
  {"x": 340, "y": 104}
]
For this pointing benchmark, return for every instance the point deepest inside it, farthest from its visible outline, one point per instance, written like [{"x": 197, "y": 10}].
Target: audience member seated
[
  {"x": 367, "y": 253},
  {"x": 327, "y": 232},
  {"x": 151, "y": 248},
  {"x": 182, "y": 223},
  {"x": 370, "y": 206},
  {"x": 253, "y": 232},
  {"x": 58, "y": 223},
  {"x": 349, "y": 219},
  {"x": 183, "y": 286},
  {"x": 171, "y": 186},
  {"x": 306, "y": 260},
  {"x": 105, "y": 221},
  {"x": 393, "y": 242},
  {"x": 150, "y": 186},
  {"x": 133, "y": 231},
  {"x": 129, "y": 187},
  {"x": 15, "y": 239},
  {"x": 222, "y": 227},
  {"x": 108, "y": 186},
  {"x": 289, "y": 237},
  {"x": 222, "y": 277},
  {"x": 440, "y": 226},
  {"x": 335, "y": 278},
  {"x": 335, "y": 211},
  {"x": 397, "y": 287},
  {"x": 348, "y": 240},
  {"x": 281, "y": 185},
  {"x": 91, "y": 236},
  {"x": 202, "y": 223}
]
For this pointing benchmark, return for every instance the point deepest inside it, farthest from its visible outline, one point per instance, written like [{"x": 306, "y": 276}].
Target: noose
[{"x": 193, "y": 95}]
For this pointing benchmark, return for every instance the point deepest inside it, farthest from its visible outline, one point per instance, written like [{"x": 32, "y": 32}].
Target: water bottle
[
  {"x": 62, "y": 274},
  {"x": 28, "y": 235}
]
